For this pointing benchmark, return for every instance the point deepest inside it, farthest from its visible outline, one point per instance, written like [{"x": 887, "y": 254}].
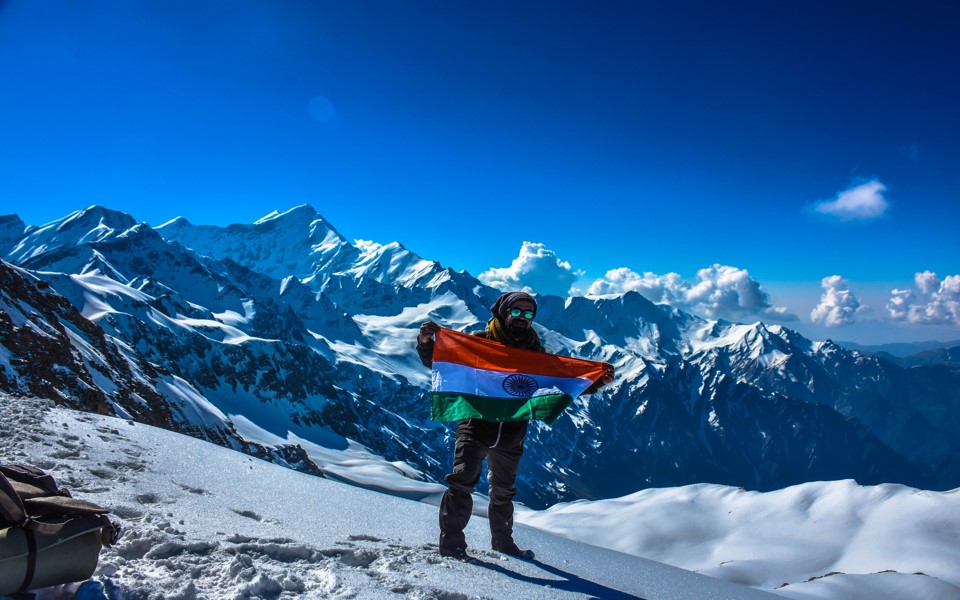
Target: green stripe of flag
[{"x": 447, "y": 406}]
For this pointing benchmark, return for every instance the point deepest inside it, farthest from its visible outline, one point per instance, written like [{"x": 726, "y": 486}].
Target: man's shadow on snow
[{"x": 568, "y": 582}]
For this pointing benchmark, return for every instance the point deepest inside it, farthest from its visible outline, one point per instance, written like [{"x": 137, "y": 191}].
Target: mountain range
[
  {"x": 285, "y": 340},
  {"x": 902, "y": 349}
]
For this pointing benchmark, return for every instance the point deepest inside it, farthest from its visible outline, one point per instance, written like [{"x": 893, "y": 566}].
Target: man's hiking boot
[
  {"x": 459, "y": 554},
  {"x": 512, "y": 549}
]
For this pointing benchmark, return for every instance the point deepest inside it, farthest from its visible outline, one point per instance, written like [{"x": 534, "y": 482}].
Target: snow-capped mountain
[{"x": 283, "y": 330}]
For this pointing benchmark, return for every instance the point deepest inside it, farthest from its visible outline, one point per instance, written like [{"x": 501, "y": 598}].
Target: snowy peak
[
  {"x": 297, "y": 242},
  {"x": 365, "y": 276},
  {"x": 95, "y": 218},
  {"x": 92, "y": 224},
  {"x": 175, "y": 224},
  {"x": 303, "y": 213},
  {"x": 753, "y": 340},
  {"x": 12, "y": 229},
  {"x": 627, "y": 321},
  {"x": 392, "y": 263}
]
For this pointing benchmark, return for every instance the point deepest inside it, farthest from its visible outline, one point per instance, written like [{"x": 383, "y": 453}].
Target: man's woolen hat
[{"x": 504, "y": 302}]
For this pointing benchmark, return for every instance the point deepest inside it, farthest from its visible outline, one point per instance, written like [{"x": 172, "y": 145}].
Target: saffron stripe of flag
[{"x": 478, "y": 378}]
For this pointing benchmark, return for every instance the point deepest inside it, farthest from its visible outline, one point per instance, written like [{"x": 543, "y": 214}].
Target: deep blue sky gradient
[{"x": 659, "y": 136}]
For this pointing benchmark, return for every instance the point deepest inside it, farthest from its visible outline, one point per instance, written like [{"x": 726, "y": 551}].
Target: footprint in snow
[
  {"x": 126, "y": 465},
  {"x": 128, "y": 513},
  {"x": 103, "y": 473},
  {"x": 249, "y": 514},
  {"x": 149, "y": 498},
  {"x": 193, "y": 490}
]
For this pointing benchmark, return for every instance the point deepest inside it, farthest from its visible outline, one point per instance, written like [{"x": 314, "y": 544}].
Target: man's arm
[
  {"x": 425, "y": 342},
  {"x": 605, "y": 379}
]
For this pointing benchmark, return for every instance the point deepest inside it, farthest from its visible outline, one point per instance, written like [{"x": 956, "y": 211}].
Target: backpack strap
[
  {"x": 61, "y": 505},
  {"x": 36, "y": 478},
  {"x": 11, "y": 506},
  {"x": 31, "y": 569}
]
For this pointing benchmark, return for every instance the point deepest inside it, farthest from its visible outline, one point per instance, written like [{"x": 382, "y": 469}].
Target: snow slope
[
  {"x": 832, "y": 539},
  {"x": 828, "y": 539},
  {"x": 202, "y": 521}
]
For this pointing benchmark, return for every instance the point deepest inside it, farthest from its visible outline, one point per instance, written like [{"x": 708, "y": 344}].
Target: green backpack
[{"x": 47, "y": 537}]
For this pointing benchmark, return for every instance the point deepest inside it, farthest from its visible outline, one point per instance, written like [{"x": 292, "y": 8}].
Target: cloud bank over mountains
[
  {"x": 536, "y": 269},
  {"x": 935, "y": 302},
  {"x": 720, "y": 292},
  {"x": 730, "y": 292}
]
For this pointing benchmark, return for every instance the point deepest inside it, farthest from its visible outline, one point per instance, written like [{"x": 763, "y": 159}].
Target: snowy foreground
[{"x": 205, "y": 522}]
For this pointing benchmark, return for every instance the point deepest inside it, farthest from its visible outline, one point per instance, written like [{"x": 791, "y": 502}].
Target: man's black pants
[{"x": 502, "y": 445}]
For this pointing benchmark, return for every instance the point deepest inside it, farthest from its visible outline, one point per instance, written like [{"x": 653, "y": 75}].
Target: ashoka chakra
[{"x": 520, "y": 385}]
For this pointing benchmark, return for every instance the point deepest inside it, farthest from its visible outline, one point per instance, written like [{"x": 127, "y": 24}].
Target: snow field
[{"x": 201, "y": 521}]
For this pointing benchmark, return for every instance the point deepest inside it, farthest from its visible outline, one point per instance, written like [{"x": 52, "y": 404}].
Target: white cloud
[
  {"x": 838, "y": 306},
  {"x": 662, "y": 289},
  {"x": 899, "y": 305},
  {"x": 927, "y": 282},
  {"x": 536, "y": 270},
  {"x": 859, "y": 203},
  {"x": 936, "y": 303},
  {"x": 367, "y": 246},
  {"x": 720, "y": 292},
  {"x": 724, "y": 290}
]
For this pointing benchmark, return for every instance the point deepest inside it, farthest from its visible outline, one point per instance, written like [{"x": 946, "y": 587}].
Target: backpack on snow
[{"x": 47, "y": 537}]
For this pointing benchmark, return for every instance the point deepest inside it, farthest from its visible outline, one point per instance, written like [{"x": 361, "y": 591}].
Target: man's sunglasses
[{"x": 527, "y": 314}]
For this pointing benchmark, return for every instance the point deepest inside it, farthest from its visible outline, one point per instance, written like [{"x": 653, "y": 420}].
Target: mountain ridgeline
[{"x": 286, "y": 328}]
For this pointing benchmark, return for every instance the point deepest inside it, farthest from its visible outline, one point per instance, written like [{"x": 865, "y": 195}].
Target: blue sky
[{"x": 784, "y": 143}]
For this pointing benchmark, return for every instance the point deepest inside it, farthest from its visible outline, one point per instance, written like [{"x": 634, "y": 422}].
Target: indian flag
[{"x": 476, "y": 378}]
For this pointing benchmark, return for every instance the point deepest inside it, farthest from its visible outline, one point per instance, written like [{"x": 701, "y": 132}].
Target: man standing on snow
[{"x": 500, "y": 443}]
